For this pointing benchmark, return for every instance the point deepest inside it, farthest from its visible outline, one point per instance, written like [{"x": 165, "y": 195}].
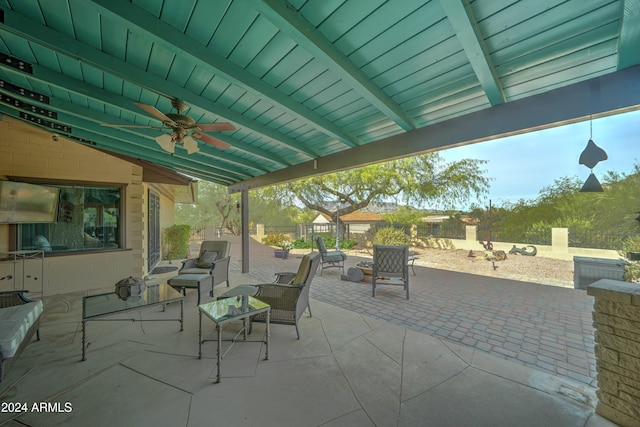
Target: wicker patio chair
[
  {"x": 289, "y": 295},
  {"x": 390, "y": 267}
]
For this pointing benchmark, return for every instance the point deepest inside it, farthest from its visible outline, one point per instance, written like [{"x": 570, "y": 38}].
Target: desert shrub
[
  {"x": 176, "y": 241},
  {"x": 301, "y": 244},
  {"x": 344, "y": 243},
  {"x": 330, "y": 243},
  {"x": 275, "y": 238},
  {"x": 391, "y": 236}
]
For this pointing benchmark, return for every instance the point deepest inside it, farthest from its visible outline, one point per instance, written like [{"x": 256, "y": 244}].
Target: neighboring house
[
  {"x": 358, "y": 222},
  {"x": 111, "y": 211},
  {"x": 435, "y": 219}
]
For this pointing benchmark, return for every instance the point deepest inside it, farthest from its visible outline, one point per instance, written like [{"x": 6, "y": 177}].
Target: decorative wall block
[{"x": 617, "y": 322}]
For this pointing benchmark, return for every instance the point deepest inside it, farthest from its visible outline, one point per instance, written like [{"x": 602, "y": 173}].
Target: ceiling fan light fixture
[
  {"x": 166, "y": 142},
  {"x": 183, "y": 129},
  {"x": 190, "y": 144}
]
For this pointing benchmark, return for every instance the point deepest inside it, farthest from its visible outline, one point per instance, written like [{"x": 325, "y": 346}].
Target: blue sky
[{"x": 520, "y": 166}]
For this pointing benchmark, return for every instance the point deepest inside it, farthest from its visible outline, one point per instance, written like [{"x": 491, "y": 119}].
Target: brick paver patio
[{"x": 540, "y": 326}]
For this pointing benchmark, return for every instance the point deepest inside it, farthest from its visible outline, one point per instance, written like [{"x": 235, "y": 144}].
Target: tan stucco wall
[{"x": 27, "y": 151}]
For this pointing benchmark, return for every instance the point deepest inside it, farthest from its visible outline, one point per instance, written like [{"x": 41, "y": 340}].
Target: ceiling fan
[{"x": 183, "y": 128}]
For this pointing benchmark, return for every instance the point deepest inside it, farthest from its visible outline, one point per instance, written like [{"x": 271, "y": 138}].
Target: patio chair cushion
[
  {"x": 15, "y": 323},
  {"x": 206, "y": 258},
  {"x": 334, "y": 256},
  {"x": 303, "y": 272}
]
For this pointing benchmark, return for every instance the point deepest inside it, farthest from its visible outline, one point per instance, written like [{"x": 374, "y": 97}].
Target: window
[{"x": 89, "y": 219}]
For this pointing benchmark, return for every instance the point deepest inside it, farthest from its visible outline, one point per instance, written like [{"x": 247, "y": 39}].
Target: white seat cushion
[{"x": 15, "y": 323}]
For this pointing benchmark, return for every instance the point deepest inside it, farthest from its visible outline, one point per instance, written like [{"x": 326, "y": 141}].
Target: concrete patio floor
[{"x": 350, "y": 368}]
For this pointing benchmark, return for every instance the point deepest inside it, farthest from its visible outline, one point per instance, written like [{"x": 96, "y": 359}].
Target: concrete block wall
[
  {"x": 616, "y": 319},
  {"x": 559, "y": 249}
]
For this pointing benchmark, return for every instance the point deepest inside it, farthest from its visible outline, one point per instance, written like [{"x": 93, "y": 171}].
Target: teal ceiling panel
[
  {"x": 438, "y": 114},
  {"x": 205, "y": 20},
  {"x": 178, "y": 15},
  {"x": 316, "y": 87},
  {"x": 328, "y": 94},
  {"x": 277, "y": 48},
  {"x": 421, "y": 68},
  {"x": 378, "y": 28},
  {"x": 289, "y": 64},
  {"x": 511, "y": 59},
  {"x": 562, "y": 63},
  {"x": 299, "y": 79},
  {"x": 199, "y": 78},
  {"x": 342, "y": 98},
  {"x": 423, "y": 24},
  {"x": 345, "y": 113},
  {"x": 451, "y": 70},
  {"x": 562, "y": 78},
  {"x": 549, "y": 28},
  {"x": 445, "y": 95},
  {"x": 82, "y": 21},
  {"x": 438, "y": 34},
  {"x": 161, "y": 60},
  {"x": 628, "y": 52},
  {"x": 154, "y": 7},
  {"x": 349, "y": 14},
  {"x": 138, "y": 51},
  {"x": 215, "y": 88},
  {"x": 237, "y": 20},
  {"x": 181, "y": 73},
  {"x": 254, "y": 40},
  {"x": 316, "y": 11}
]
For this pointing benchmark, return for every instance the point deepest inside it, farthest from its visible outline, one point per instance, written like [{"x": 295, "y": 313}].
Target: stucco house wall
[{"x": 29, "y": 152}]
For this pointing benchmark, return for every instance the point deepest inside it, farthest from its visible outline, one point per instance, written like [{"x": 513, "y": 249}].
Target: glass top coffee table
[
  {"x": 226, "y": 310},
  {"x": 96, "y": 307}
]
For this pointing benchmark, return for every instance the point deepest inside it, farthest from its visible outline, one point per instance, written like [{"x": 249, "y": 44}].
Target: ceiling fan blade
[
  {"x": 155, "y": 112},
  {"x": 130, "y": 126},
  {"x": 215, "y": 127},
  {"x": 211, "y": 140}
]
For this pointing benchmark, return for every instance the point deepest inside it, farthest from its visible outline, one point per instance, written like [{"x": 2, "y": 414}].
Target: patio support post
[
  {"x": 244, "y": 195},
  {"x": 616, "y": 318}
]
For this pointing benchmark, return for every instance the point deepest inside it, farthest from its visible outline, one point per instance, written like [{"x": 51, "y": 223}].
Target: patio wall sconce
[{"x": 590, "y": 157}]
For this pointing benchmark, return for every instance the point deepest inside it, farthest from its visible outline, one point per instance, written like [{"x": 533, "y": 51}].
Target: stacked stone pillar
[{"x": 617, "y": 321}]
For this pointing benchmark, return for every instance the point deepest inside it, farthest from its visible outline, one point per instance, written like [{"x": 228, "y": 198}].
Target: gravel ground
[
  {"x": 527, "y": 268},
  {"x": 530, "y": 266}
]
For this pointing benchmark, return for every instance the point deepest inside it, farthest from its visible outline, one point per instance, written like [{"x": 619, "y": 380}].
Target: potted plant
[{"x": 285, "y": 247}]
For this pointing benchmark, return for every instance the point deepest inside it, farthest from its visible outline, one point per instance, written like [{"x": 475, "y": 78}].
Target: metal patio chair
[
  {"x": 390, "y": 267},
  {"x": 330, "y": 258}
]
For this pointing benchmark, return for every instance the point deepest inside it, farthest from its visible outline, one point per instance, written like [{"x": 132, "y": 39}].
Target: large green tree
[
  {"x": 419, "y": 180},
  {"x": 215, "y": 207},
  {"x": 218, "y": 208}
]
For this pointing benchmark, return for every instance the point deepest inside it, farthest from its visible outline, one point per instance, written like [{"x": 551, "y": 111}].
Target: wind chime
[{"x": 590, "y": 157}]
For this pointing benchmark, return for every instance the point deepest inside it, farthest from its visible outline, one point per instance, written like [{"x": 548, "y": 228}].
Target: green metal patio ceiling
[{"x": 312, "y": 85}]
